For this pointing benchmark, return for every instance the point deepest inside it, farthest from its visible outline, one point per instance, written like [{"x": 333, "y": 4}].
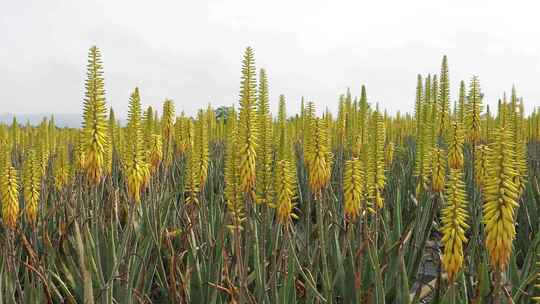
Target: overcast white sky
[{"x": 191, "y": 51}]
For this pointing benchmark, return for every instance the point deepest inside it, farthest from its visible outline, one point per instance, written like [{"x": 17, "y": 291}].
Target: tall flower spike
[
  {"x": 155, "y": 152},
  {"x": 192, "y": 171},
  {"x": 233, "y": 195},
  {"x": 157, "y": 123},
  {"x": 474, "y": 108},
  {"x": 390, "y": 148},
  {"x": 339, "y": 132},
  {"x": 438, "y": 169},
  {"x": 113, "y": 129},
  {"x": 285, "y": 187},
  {"x": 247, "y": 125},
  {"x": 521, "y": 162},
  {"x": 423, "y": 145},
  {"x": 444, "y": 98},
  {"x": 363, "y": 117},
  {"x": 319, "y": 157},
  {"x": 43, "y": 146},
  {"x": 352, "y": 188},
  {"x": 62, "y": 169},
  {"x": 167, "y": 127},
  {"x": 264, "y": 145},
  {"x": 137, "y": 171},
  {"x": 5, "y": 160},
  {"x": 308, "y": 133},
  {"x": 455, "y": 146},
  {"x": 15, "y": 133},
  {"x": 376, "y": 159},
  {"x": 419, "y": 102},
  {"x": 201, "y": 148},
  {"x": 461, "y": 104},
  {"x": 285, "y": 173},
  {"x": 31, "y": 186},
  {"x": 9, "y": 193},
  {"x": 454, "y": 224},
  {"x": 79, "y": 153},
  {"x": 180, "y": 127},
  {"x": 500, "y": 200},
  {"x": 211, "y": 124},
  {"x": 148, "y": 127},
  {"x": 53, "y": 136},
  {"x": 281, "y": 131},
  {"x": 481, "y": 165},
  {"x": 94, "y": 118}
]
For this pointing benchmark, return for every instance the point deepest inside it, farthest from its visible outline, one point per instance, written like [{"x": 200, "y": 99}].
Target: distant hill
[{"x": 61, "y": 120}]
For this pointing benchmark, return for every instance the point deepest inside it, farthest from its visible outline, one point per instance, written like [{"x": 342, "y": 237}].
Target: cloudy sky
[{"x": 191, "y": 51}]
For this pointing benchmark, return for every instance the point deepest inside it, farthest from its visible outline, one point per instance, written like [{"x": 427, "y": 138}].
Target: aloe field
[{"x": 235, "y": 204}]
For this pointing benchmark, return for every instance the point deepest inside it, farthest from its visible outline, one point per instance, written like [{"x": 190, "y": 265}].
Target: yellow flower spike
[
  {"x": 196, "y": 140},
  {"x": 319, "y": 157},
  {"x": 352, "y": 188},
  {"x": 339, "y": 132},
  {"x": 513, "y": 120},
  {"x": 438, "y": 169},
  {"x": 62, "y": 170},
  {"x": 455, "y": 146},
  {"x": 481, "y": 165},
  {"x": 201, "y": 148},
  {"x": 443, "y": 111},
  {"x": 192, "y": 178},
  {"x": 79, "y": 154},
  {"x": 122, "y": 147},
  {"x": 376, "y": 159},
  {"x": 389, "y": 154},
  {"x": 424, "y": 144},
  {"x": 148, "y": 126},
  {"x": 307, "y": 132},
  {"x": 136, "y": 169},
  {"x": 500, "y": 195},
  {"x": 363, "y": 117},
  {"x": 247, "y": 124},
  {"x": 9, "y": 193},
  {"x": 453, "y": 217},
  {"x": 285, "y": 187},
  {"x": 43, "y": 151},
  {"x": 182, "y": 134},
  {"x": 167, "y": 131},
  {"x": 155, "y": 152},
  {"x": 186, "y": 140},
  {"x": 264, "y": 145},
  {"x": 95, "y": 137},
  {"x": 211, "y": 123},
  {"x": 285, "y": 182},
  {"x": 473, "y": 110},
  {"x": 282, "y": 136},
  {"x": 31, "y": 186},
  {"x": 233, "y": 195}
]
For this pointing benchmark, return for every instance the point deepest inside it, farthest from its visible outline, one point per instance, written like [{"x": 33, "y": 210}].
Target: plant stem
[
  {"x": 453, "y": 293},
  {"x": 322, "y": 242},
  {"x": 497, "y": 287},
  {"x": 257, "y": 256}
]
